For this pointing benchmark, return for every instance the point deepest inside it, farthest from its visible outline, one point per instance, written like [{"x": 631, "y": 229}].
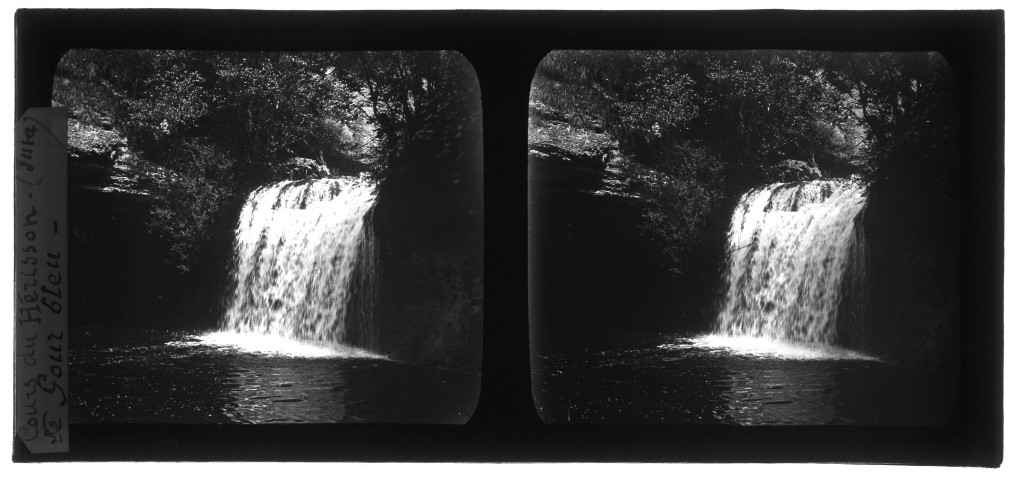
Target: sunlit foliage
[{"x": 218, "y": 124}]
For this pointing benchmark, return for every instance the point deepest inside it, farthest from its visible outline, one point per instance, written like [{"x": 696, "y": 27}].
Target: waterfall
[
  {"x": 304, "y": 263},
  {"x": 796, "y": 265}
]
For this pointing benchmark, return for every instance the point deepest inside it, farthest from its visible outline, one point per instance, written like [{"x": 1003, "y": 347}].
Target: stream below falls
[
  {"x": 152, "y": 376},
  {"x": 707, "y": 380}
]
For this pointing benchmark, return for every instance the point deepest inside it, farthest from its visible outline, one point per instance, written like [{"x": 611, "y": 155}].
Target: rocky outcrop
[
  {"x": 428, "y": 222},
  {"x": 117, "y": 271},
  {"x": 106, "y": 183},
  {"x": 299, "y": 168},
  {"x": 100, "y": 161},
  {"x": 914, "y": 228},
  {"x": 553, "y": 134},
  {"x": 429, "y": 230},
  {"x": 790, "y": 170},
  {"x": 599, "y": 264}
]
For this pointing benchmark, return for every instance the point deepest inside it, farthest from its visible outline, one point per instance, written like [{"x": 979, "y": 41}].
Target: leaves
[
  {"x": 709, "y": 124},
  {"x": 219, "y": 123},
  {"x": 418, "y": 101}
]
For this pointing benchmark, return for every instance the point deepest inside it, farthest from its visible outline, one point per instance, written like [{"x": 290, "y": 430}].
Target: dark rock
[
  {"x": 428, "y": 221},
  {"x": 298, "y": 168},
  {"x": 431, "y": 270},
  {"x": 595, "y": 158},
  {"x": 595, "y": 265},
  {"x": 553, "y": 134},
  {"x": 118, "y": 268},
  {"x": 790, "y": 170},
  {"x": 342, "y": 165},
  {"x": 542, "y": 113},
  {"x": 843, "y": 169},
  {"x": 915, "y": 232},
  {"x": 103, "y": 171},
  {"x": 92, "y": 144}
]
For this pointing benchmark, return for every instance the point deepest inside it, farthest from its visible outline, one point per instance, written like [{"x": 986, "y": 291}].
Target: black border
[{"x": 504, "y": 48}]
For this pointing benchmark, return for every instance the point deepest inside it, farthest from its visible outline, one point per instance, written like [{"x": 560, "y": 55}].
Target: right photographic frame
[{"x": 746, "y": 237}]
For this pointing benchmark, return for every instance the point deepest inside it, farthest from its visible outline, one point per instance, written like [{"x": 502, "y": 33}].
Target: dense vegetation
[
  {"x": 716, "y": 123},
  {"x": 221, "y": 123}
]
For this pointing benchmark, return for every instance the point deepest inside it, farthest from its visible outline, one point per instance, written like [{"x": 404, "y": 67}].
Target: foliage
[
  {"x": 276, "y": 104},
  {"x": 690, "y": 189},
  {"x": 765, "y": 105},
  {"x": 905, "y": 100},
  {"x": 412, "y": 99},
  {"x": 583, "y": 84},
  {"x": 80, "y": 85},
  {"x": 712, "y": 124},
  {"x": 220, "y": 122},
  {"x": 656, "y": 107},
  {"x": 186, "y": 207}
]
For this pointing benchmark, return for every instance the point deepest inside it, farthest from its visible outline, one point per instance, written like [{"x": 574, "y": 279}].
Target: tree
[
  {"x": 275, "y": 105},
  {"x": 902, "y": 98},
  {"x": 411, "y": 98},
  {"x": 213, "y": 124},
  {"x": 218, "y": 124},
  {"x": 763, "y": 106},
  {"x": 708, "y": 124}
]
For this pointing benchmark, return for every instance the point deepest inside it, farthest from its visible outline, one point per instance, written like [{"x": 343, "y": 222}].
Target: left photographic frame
[{"x": 273, "y": 237}]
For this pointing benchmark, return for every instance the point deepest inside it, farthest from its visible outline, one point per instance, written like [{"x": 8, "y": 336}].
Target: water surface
[
  {"x": 671, "y": 379},
  {"x": 148, "y": 376}
]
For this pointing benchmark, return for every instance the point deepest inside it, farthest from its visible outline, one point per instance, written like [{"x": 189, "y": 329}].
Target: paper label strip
[{"x": 40, "y": 280}]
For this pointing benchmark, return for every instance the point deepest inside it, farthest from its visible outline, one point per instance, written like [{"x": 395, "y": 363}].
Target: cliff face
[
  {"x": 117, "y": 274},
  {"x": 598, "y": 261},
  {"x": 428, "y": 225},
  {"x": 914, "y": 230},
  {"x": 428, "y": 222}
]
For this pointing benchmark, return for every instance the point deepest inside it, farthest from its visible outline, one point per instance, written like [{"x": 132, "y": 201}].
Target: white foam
[
  {"x": 770, "y": 348},
  {"x": 280, "y": 346},
  {"x": 302, "y": 249},
  {"x": 796, "y": 264}
]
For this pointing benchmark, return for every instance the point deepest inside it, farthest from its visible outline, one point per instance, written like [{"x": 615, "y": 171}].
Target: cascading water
[
  {"x": 796, "y": 265},
  {"x": 304, "y": 263}
]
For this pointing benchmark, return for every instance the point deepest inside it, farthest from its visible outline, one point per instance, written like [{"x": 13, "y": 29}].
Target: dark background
[{"x": 504, "y": 48}]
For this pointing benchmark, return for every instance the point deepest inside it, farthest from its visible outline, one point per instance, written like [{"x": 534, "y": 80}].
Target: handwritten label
[{"x": 40, "y": 279}]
